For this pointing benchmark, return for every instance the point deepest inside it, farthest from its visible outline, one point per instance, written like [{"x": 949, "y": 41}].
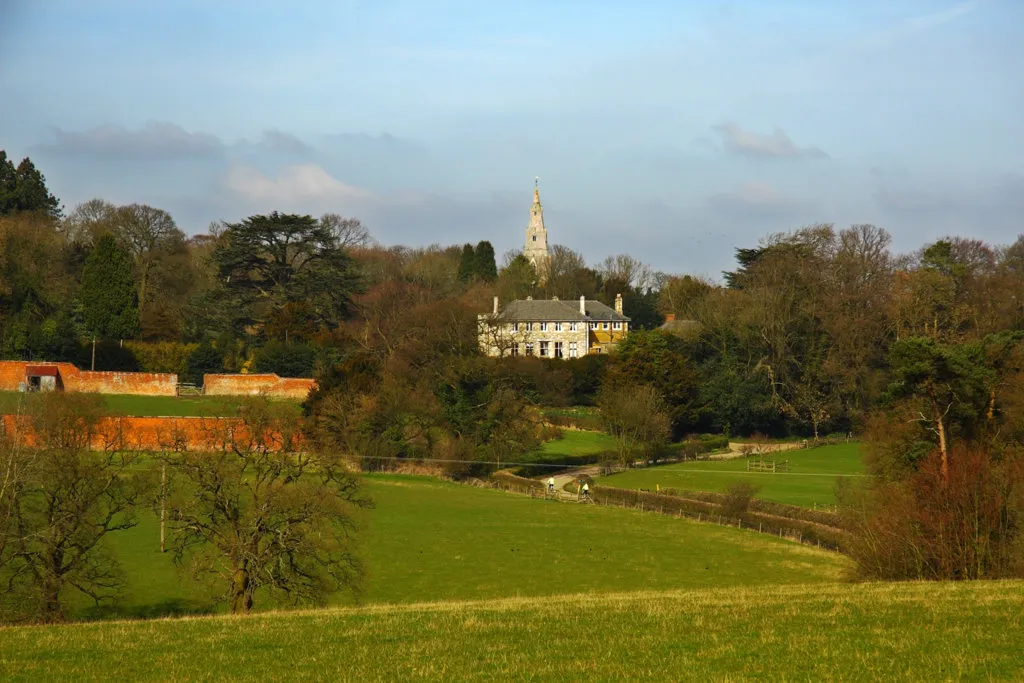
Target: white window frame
[
  {"x": 558, "y": 327},
  {"x": 543, "y": 349},
  {"x": 515, "y": 327},
  {"x": 529, "y": 349},
  {"x": 593, "y": 326},
  {"x": 559, "y": 352},
  {"x": 574, "y": 327},
  {"x": 616, "y": 326},
  {"x": 573, "y": 350},
  {"x": 543, "y": 327},
  {"x": 604, "y": 326},
  {"x": 515, "y": 350}
]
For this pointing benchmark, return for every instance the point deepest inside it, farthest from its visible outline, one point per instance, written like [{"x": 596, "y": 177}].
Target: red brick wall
[
  {"x": 152, "y": 433},
  {"x": 254, "y": 384},
  {"x": 140, "y": 383}
]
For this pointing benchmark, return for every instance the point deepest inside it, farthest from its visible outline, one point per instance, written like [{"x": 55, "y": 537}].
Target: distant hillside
[{"x": 907, "y": 631}]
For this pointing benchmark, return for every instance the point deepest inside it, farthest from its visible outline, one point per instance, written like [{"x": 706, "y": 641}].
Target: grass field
[
  {"x": 811, "y": 478},
  {"x": 905, "y": 631},
  {"x": 575, "y": 443},
  {"x": 150, "y": 406},
  {"x": 431, "y": 540}
]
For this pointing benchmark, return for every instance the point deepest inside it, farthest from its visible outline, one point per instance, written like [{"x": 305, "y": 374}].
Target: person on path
[
  {"x": 586, "y": 491},
  {"x": 551, "y": 485}
]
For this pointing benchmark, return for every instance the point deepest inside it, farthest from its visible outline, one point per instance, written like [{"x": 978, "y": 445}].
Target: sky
[{"x": 672, "y": 130}]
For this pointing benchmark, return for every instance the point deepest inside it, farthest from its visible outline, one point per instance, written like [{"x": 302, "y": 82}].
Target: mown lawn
[
  {"x": 431, "y": 540},
  {"x": 865, "y": 632},
  {"x": 811, "y": 477},
  {"x": 150, "y": 406}
]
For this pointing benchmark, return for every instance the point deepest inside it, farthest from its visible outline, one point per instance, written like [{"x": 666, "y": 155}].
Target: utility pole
[
  {"x": 94, "y": 352},
  {"x": 163, "y": 503}
]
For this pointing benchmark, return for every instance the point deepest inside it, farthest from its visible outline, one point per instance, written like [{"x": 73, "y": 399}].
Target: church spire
[{"x": 536, "y": 250}]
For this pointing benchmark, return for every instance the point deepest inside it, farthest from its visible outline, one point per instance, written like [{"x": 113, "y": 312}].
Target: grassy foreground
[
  {"x": 910, "y": 631},
  {"x": 811, "y": 478}
]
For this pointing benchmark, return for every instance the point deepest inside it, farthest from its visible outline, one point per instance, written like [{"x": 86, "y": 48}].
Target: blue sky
[{"x": 674, "y": 131}]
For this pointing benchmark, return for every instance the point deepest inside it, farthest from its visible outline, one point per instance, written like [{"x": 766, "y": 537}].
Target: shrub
[
  {"x": 162, "y": 356},
  {"x": 110, "y": 356},
  {"x": 286, "y": 359},
  {"x": 203, "y": 360},
  {"x": 737, "y": 498},
  {"x": 967, "y": 525}
]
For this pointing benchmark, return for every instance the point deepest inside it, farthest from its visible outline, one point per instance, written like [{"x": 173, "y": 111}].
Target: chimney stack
[
  {"x": 618, "y": 304},
  {"x": 583, "y": 305},
  {"x": 495, "y": 305}
]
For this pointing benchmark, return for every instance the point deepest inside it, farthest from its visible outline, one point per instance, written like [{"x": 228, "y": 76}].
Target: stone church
[{"x": 536, "y": 249}]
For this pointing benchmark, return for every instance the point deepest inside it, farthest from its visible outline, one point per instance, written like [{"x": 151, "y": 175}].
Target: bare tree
[
  {"x": 89, "y": 220},
  {"x": 66, "y": 500},
  {"x": 147, "y": 231},
  {"x": 636, "y": 416},
  {"x": 349, "y": 232},
  {"x": 263, "y": 513},
  {"x": 628, "y": 270}
]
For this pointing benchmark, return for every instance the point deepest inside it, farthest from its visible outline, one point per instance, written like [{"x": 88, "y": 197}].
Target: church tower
[{"x": 536, "y": 251}]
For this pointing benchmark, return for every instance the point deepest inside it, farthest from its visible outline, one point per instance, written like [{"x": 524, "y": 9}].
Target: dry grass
[{"x": 909, "y": 631}]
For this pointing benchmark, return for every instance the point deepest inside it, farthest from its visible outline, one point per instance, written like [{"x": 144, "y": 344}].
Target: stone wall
[
  {"x": 257, "y": 384},
  {"x": 12, "y": 373}
]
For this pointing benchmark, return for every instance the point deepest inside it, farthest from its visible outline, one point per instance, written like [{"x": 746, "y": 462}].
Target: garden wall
[
  {"x": 156, "y": 433},
  {"x": 257, "y": 384},
  {"x": 12, "y": 373}
]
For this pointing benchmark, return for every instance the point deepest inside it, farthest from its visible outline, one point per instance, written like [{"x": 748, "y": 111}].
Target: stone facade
[
  {"x": 552, "y": 328},
  {"x": 536, "y": 249}
]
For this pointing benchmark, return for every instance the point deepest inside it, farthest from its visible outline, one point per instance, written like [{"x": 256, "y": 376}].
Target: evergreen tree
[
  {"x": 203, "y": 360},
  {"x": 110, "y": 304},
  {"x": 485, "y": 267},
  {"x": 467, "y": 263},
  {"x": 24, "y": 189}
]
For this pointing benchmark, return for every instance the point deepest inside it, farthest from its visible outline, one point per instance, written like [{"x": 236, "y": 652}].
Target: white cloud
[
  {"x": 302, "y": 183},
  {"x": 778, "y": 145}
]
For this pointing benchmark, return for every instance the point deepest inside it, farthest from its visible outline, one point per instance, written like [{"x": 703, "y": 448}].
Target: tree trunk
[
  {"x": 52, "y": 612},
  {"x": 940, "y": 427},
  {"x": 241, "y": 596}
]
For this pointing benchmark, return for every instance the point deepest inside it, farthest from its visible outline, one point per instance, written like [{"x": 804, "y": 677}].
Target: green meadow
[
  {"x": 851, "y": 632},
  {"x": 575, "y": 443},
  {"x": 148, "y": 406},
  {"x": 811, "y": 478},
  {"x": 430, "y": 540}
]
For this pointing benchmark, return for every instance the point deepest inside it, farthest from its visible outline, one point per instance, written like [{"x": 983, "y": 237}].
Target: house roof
[{"x": 554, "y": 310}]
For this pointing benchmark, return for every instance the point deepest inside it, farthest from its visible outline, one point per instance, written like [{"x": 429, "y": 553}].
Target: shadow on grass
[{"x": 175, "y": 607}]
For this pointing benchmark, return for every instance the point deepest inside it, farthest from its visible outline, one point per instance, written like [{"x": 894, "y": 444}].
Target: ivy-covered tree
[{"x": 110, "y": 303}]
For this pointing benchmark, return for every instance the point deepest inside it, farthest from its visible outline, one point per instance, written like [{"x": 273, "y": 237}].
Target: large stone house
[{"x": 550, "y": 328}]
